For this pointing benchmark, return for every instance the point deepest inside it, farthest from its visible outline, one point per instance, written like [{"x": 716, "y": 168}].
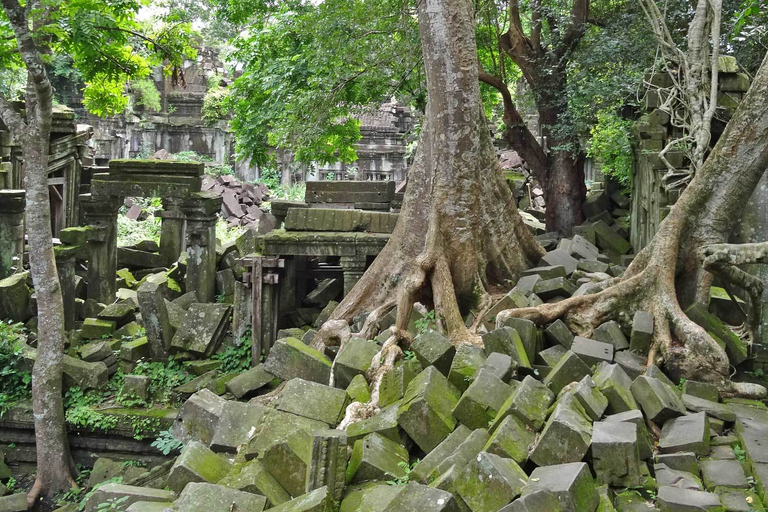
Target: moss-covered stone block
[
  {"x": 205, "y": 497},
  {"x": 465, "y": 365},
  {"x": 723, "y": 335},
  {"x": 566, "y": 436},
  {"x": 290, "y": 358},
  {"x": 395, "y": 382},
  {"x": 490, "y": 482},
  {"x": 14, "y": 297},
  {"x": 314, "y": 401},
  {"x": 354, "y": 359},
  {"x": 369, "y": 497},
  {"x": 571, "y": 483},
  {"x": 383, "y": 422},
  {"x": 511, "y": 439},
  {"x": 94, "y": 329},
  {"x": 252, "y": 477},
  {"x": 482, "y": 401},
  {"x": 197, "y": 463},
  {"x": 376, "y": 457},
  {"x": 319, "y": 500},
  {"x": 614, "y": 383},
  {"x": 506, "y": 340},
  {"x": 358, "y": 390},
  {"x": 529, "y": 403},
  {"x": 434, "y": 349}
]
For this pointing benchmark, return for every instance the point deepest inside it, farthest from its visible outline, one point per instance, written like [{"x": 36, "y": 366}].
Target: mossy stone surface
[
  {"x": 376, "y": 458},
  {"x": 290, "y": 358},
  {"x": 314, "y": 401},
  {"x": 252, "y": 477},
  {"x": 511, "y": 439},
  {"x": 354, "y": 359},
  {"x": 358, "y": 390},
  {"x": 490, "y": 482},
  {"x": 465, "y": 365},
  {"x": 481, "y": 402},
  {"x": 395, "y": 382},
  {"x": 383, "y": 422},
  {"x": 197, "y": 463},
  {"x": 369, "y": 497}
]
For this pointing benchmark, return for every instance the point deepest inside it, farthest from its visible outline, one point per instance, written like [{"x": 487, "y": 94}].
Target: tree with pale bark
[{"x": 102, "y": 39}]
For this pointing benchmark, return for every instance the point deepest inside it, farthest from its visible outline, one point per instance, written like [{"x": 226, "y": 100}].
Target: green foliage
[
  {"x": 408, "y": 355},
  {"x": 147, "y": 95},
  {"x": 14, "y": 381},
  {"x": 167, "y": 443},
  {"x": 270, "y": 176},
  {"x": 130, "y": 232},
  {"x": 740, "y": 453},
  {"x": 113, "y": 480},
  {"x": 408, "y": 469},
  {"x": 79, "y": 410},
  {"x": 163, "y": 377},
  {"x": 226, "y": 233},
  {"x": 426, "y": 322},
  {"x": 216, "y": 104},
  {"x": 112, "y": 504},
  {"x": 611, "y": 146},
  {"x": 235, "y": 358},
  {"x": 144, "y": 427}
]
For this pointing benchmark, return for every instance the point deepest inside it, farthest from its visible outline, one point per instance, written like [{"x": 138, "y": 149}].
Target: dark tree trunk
[{"x": 459, "y": 231}]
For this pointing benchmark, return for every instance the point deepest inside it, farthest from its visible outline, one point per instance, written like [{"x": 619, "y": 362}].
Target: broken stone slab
[
  {"x": 328, "y": 462},
  {"x": 395, "y": 382},
  {"x": 511, "y": 439},
  {"x": 197, "y": 463},
  {"x": 723, "y": 335},
  {"x": 569, "y": 369},
  {"x": 95, "y": 351},
  {"x": 559, "y": 257},
  {"x": 675, "y": 499},
  {"x": 723, "y": 473},
  {"x": 566, "y": 437},
  {"x": 151, "y": 296},
  {"x": 253, "y": 478},
  {"x": 737, "y": 500},
  {"x": 249, "y": 382},
  {"x": 465, "y": 365},
  {"x": 120, "y": 313},
  {"x": 529, "y": 334},
  {"x": 713, "y": 409},
  {"x": 464, "y": 453},
  {"x": 490, "y": 482},
  {"x": 590, "y": 398},
  {"x": 529, "y": 403},
  {"x": 632, "y": 363},
  {"x": 135, "y": 350},
  {"x": 592, "y": 352},
  {"x": 666, "y": 476},
  {"x": 135, "y": 494},
  {"x": 501, "y": 365},
  {"x": 376, "y": 458},
  {"x": 642, "y": 332},
  {"x": 551, "y": 356},
  {"x": 358, "y": 390},
  {"x": 198, "y": 417},
  {"x": 506, "y": 340},
  {"x": 482, "y": 400},
  {"x": 615, "y": 455},
  {"x": 353, "y": 359},
  {"x": 557, "y": 333},
  {"x": 515, "y": 298},
  {"x": 432, "y": 348},
  {"x": 14, "y": 503},
  {"x": 592, "y": 266},
  {"x": 610, "y": 332},
  {"x": 608, "y": 239},
  {"x": 703, "y": 390},
  {"x": 133, "y": 258},
  {"x": 314, "y": 401},
  {"x": 15, "y": 296},
  {"x": 535, "y": 502},
  {"x": 557, "y": 287},
  {"x": 420, "y": 498},
  {"x": 680, "y": 461},
  {"x": 614, "y": 383},
  {"x": 426, "y": 411},
  {"x": 202, "y": 330},
  {"x": 205, "y": 497},
  {"x": 319, "y": 500},
  {"x": 658, "y": 401},
  {"x": 583, "y": 249},
  {"x": 290, "y": 358},
  {"x": 383, "y": 422},
  {"x": 571, "y": 483},
  {"x": 369, "y": 497},
  {"x": 235, "y": 425},
  {"x": 686, "y": 434},
  {"x": 636, "y": 418},
  {"x": 549, "y": 272},
  {"x": 94, "y": 329},
  {"x": 136, "y": 386},
  {"x": 424, "y": 470}
]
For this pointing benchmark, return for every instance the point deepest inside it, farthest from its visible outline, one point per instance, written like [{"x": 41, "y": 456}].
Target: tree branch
[
  {"x": 579, "y": 16},
  {"x": 12, "y": 119}
]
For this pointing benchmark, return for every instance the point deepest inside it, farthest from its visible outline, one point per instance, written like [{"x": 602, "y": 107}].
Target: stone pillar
[
  {"x": 328, "y": 462},
  {"x": 200, "y": 210},
  {"x": 172, "y": 234},
  {"x": 101, "y": 213},
  {"x": 66, "y": 256},
  {"x": 242, "y": 315},
  {"x": 354, "y": 268},
  {"x": 11, "y": 231}
]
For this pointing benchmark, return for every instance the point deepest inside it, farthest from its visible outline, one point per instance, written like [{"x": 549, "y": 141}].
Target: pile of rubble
[
  {"x": 537, "y": 420},
  {"x": 241, "y": 201}
]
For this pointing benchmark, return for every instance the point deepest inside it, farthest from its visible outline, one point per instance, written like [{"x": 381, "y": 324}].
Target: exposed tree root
[{"x": 36, "y": 492}]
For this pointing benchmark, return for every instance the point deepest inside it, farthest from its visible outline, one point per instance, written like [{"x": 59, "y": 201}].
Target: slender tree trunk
[
  {"x": 459, "y": 231},
  {"x": 668, "y": 274}
]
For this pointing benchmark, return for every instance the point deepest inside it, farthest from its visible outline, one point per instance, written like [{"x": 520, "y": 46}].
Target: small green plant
[
  {"x": 10, "y": 485},
  {"x": 409, "y": 355},
  {"x": 407, "y": 469},
  {"x": 134, "y": 464},
  {"x": 426, "y": 322},
  {"x": 235, "y": 358},
  {"x": 79, "y": 410},
  {"x": 740, "y": 453},
  {"x": 112, "y": 504},
  {"x": 14, "y": 381},
  {"x": 129, "y": 400},
  {"x": 144, "y": 427},
  {"x": 113, "y": 480},
  {"x": 680, "y": 384},
  {"x": 163, "y": 377},
  {"x": 146, "y": 94},
  {"x": 757, "y": 373},
  {"x": 167, "y": 443},
  {"x": 220, "y": 298}
]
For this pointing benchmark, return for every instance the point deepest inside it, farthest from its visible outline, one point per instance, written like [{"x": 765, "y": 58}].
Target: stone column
[
  {"x": 328, "y": 462},
  {"x": 172, "y": 234},
  {"x": 200, "y": 210},
  {"x": 354, "y": 268},
  {"x": 65, "y": 266},
  {"x": 11, "y": 231},
  {"x": 101, "y": 213}
]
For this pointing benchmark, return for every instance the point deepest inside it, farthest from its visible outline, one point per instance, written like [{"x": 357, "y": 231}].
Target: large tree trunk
[
  {"x": 459, "y": 232},
  {"x": 668, "y": 274}
]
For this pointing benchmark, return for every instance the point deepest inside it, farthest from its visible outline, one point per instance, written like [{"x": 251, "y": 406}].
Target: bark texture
[
  {"x": 54, "y": 464},
  {"x": 669, "y": 274},
  {"x": 459, "y": 232}
]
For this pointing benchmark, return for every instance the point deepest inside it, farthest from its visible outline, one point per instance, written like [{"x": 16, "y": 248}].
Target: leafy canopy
[{"x": 105, "y": 42}]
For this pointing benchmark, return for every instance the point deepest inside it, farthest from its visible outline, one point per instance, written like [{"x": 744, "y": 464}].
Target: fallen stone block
[
  {"x": 465, "y": 365},
  {"x": 590, "y": 398},
  {"x": 675, "y": 499},
  {"x": 703, "y": 390},
  {"x": 551, "y": 356},
  {"x": 376, "y": 458},
  {"x": 198, "y": 417},
  {"x": 415, "y": 497},
  {"x": 529, "y": 403},
  {"x": 501, "y": 365},
  {"x": 384, "y": 422},
  {"x": 614, "y": 383},
  {"x": 506, "y": 340},
  {"x": 205, "y": 497},
  {"x": 358, "y": 390},
  {"x": 569, "y": 369},
  {"x": 635, "y": 417},
  {"x": 319, "y": 500},
  {"x": 94, "y": 329},
  {"x": 14, "y": 503},
  {"x": 253, "y": 478},
  {"x": 609, "y": 239},
  {"x": 686, "y": 434},
  {"x": 369, "y": 497},
  {"x": 135, "y": 350},
  {"x": 615, "y": 455},
  {"x": 481, "y": 402},
  {"x": 558, "y": 333},
  {"x": 15, "y": 296},
  {"x": 738, "y": 500},
  {"x": 559, "y": 257},
  {"x": 723, "y": 335},
  {"x": 571, "y": 483},
  {"x": 424, "y": 470},
  {"x": 202, "y": 330},
  {"x": 610, "y": 332},
  {"x": 249, "y": 382},
  {"x": 235, "y": 425},
  {"x": 434, "y": 349},
  {"x": 464, "y": 453},
  {"x": 723, "y": 473},
  {"x": 353, "y": 359},
  {"x": 592, "y": 352},
  {"x": 566, "y": 437},
  {"x": 557, "y": 287},
  {"x": 395, "y": 382},
  {"x": 328, "y": 463},
  {"x": 658, "y": 401},
  {"x": 680, "y": 461},
  {"x": 592, "y": 266},
  {"x": 632, "y": 363},
  {"x": 713, "y": 409},
  {"x": 642, "y": 332},
  {"x": 197, "y": 463},
  {"x": 290, "y": 358},
  {"x": 135, "y": 494},
  {"x": 314, "y": 401},
  {"x": 535, "y": 502},
  {"x": 666, "y": 476},
  {"x": 136, "y": 386},
  {"x": 548, "y": 272},
  {"x": 511, "y": 439},
  {"x": 151, "y": 296},
  {"x": 490, "y": 482},
  {"x": 426, "y": 411},
  {"x": 529, "y": 334}
]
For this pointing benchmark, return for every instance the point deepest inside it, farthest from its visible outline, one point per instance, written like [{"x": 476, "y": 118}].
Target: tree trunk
[
  {"x": 668, "y": 275},
  {"x": 564, "y": 192},
  {"x": 459, "y": 232}
]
